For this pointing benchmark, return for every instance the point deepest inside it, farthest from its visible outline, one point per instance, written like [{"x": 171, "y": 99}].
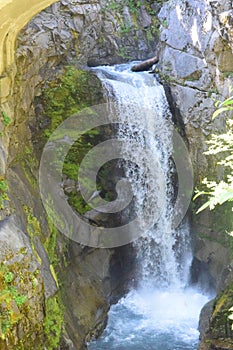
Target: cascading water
[{"x": 163, "y": 312}]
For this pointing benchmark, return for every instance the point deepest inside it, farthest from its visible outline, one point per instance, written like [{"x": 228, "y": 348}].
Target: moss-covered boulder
[
  {"x": 218, "y": 332},
  {"x": 22, "y": 301}
]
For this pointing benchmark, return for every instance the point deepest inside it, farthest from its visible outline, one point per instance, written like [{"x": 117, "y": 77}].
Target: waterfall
[
  {"x": 163, "y": 302},
  {"x": 142, "y": 108}
]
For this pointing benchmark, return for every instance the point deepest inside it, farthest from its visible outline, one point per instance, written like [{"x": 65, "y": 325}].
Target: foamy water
[
  {"x": 153, "y": 320},
  {"x": 163, "y": 313}
]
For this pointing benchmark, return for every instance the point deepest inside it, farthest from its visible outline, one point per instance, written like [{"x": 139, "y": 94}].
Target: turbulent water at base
[{"x": 162, "y": 313}]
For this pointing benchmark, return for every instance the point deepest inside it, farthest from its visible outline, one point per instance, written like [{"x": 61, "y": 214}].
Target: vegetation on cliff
[
  {"x": 3, "y": 182},
  {"x": 67, "y": 95},
  {"x": 219, "y": 193},
  {"x": 221, "y": 144}
]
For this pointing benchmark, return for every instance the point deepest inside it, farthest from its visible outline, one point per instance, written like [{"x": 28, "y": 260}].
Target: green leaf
[
  {"x": 199, "y": 194},
  {"x": 204, "y": 206},
  {"x": 219, "y": 111},
  {"x": 228, "y": 101},
  {"x": 225, "y": 196}
]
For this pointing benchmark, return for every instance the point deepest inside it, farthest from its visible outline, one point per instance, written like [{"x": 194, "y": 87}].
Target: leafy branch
[{"x": 222, "y": 191}]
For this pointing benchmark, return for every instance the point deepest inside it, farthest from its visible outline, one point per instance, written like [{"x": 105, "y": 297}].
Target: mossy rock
[
  {"x": 68, "y": 94},
  {"x": 21, "y": 303},
  {"x": 220, "y": 324}
]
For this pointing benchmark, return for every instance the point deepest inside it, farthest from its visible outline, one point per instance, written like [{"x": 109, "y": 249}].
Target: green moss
[
  {"x": 222, "y": 240},
  {"x": 53, "y": 308},
  {"x": 126, "y": 28},
  {"x": 77, "y": 152},
  {"x": 6, "y": 119},
  {"x": 29, "y": 164},
  {"x": 132, "y": 26},
  {"x": 78, "y": 203},
  {"x": 133, "y": 5},
  {"x": 219, "y": 304},
  {"x": 34, "y": 230},
  {"x": 3, "y": 193},
  {"x": 52, "y": 215},
  {"x": 20, "y": 288},
  {"x": 69, "y": 94},
  {"x": 165, "y": 23},
  {"x": 220, "y": 325},
  {"x": 123, "y": 52},
  {"x": 8, "y": 278},
  {"x": 228, "y": 74},
  {"x": 33, "y": 225},
  {"x": 73, "y": 91},
  {"x": 53, "y": 322},
  {"x": 9, "y": 296},
  {"x": 50, "y": 243},
  {"x": 222, "y": 218}
]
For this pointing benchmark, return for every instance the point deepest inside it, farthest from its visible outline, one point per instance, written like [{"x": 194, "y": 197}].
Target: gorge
[
  {"x": 163, "y": 310},
  {"x": 59, "y": 292}
]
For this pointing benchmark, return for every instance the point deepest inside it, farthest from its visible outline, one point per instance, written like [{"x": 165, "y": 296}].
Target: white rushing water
[{"x": 162, "y": 314}]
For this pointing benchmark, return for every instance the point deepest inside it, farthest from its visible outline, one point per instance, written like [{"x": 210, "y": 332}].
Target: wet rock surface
[
  {"x": 195, "y": 62},
  {"x": 77, "y": 33}
]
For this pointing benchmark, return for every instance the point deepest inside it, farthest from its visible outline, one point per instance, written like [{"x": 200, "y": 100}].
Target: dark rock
[{"x": 205, "y": 316}]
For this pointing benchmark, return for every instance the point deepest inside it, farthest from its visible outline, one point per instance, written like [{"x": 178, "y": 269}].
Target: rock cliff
[
  {"x": 67, "y": 288},
  {"x": 62, "y": 288},
  {"x": 196, "y": 62}
]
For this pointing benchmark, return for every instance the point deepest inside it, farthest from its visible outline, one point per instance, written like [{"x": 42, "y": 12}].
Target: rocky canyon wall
[
  {"x": 196, "y": 62},
  {"x": 69, "y": 286},
  {"x": 64, "y": 281}
]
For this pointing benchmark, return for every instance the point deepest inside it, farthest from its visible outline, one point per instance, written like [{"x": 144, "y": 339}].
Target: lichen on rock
[{"x": 21, "y": 291}]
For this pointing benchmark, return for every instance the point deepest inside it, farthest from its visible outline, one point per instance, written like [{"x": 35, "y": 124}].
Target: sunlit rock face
[
  {"x": 196, "y": 61},
  {"x": 15, "y": 14}
]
